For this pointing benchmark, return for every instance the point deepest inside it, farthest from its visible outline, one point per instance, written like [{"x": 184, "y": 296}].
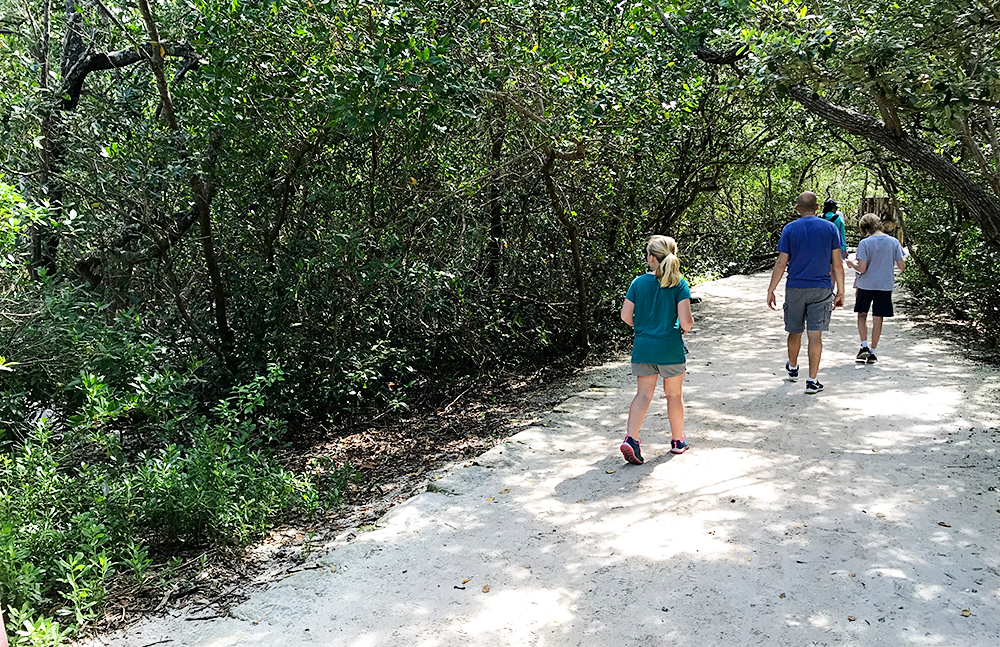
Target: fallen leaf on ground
[
  {"x": 490, "y": 499},
  {"x": 609, "y": 471},
  {"x": 333, "y": 569},
  {"x": 504, "y": 491},
  {"x": 880, "y": 514},
  {"x": 851, "y": 618},
  {"x": 854, "y": 574},
  {"x": 486, "y": 588},
  {"x": 966, "y": 613},
  {"x": 580, "y": 500},
  {"x": 874, "y": 450},
  {"x": 782, "y": 596},
  {"x": 918, "y": 502},
  {"x": 942, "y": 523},
  {"x": 466, "y": 580}
]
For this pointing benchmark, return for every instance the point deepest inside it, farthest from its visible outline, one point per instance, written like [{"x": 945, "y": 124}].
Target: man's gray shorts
[
  {"x": 663, "y": 370},
  {"x": 808, "y": 308}
]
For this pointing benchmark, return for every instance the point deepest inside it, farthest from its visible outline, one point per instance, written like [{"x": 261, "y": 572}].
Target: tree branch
[
  {"x": 965, "y": 134},
  {"x": 984, "y": 205},
  {"x": 74, "y": 79},
  {"x": 518, "y": 108},
  {"x": 710, "y": 56}
]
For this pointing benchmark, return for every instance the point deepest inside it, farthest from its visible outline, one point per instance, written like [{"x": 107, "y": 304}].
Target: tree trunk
[
  {"x": 201, "y": 191},
  {"x": 574, "y": 241},
  {"x": 45, "y": 241},
  {"x": 493, "y": 247},
  {"x": 75, "y": 63}
]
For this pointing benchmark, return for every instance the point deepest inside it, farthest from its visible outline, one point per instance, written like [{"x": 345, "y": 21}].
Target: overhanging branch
[{"x": 984, "y": 206}]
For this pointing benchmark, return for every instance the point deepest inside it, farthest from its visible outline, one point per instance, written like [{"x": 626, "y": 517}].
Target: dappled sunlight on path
[{"x": 793, "y": 520}]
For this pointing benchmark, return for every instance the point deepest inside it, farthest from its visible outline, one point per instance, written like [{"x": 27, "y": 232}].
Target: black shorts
[{"x": 880, "y": 302}]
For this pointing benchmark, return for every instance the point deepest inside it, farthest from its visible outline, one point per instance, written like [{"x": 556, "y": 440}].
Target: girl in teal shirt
[{"x": 658, "y": 307}]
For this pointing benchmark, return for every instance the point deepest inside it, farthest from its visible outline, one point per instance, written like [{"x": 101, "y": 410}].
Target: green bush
[{"x": 79, "y": 507}]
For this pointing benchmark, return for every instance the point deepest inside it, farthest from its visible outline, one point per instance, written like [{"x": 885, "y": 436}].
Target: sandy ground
[{"x": 792, "y": 520}]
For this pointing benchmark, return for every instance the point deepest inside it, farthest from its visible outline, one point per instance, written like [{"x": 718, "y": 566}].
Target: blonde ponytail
[{"x": 664, "y": 249}]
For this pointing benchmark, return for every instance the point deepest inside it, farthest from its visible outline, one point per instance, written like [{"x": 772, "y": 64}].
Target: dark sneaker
[
  {"x": 630, "y": 450},
  {"x": 813, "y": 386},
  {"x": 678, "y": 446},
  {"x": 871, "y": 359},
  {"x": 793, "y": 373},
  {"x": 863, "y": 354}
]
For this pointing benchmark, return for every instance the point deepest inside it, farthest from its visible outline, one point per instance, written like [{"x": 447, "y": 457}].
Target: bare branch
[
  {"x": 21, "y": 173},
  {"x": 518, "y": 108}
]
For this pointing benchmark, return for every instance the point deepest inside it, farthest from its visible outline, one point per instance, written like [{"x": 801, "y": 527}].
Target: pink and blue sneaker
[{"x": 630, "y": 450}]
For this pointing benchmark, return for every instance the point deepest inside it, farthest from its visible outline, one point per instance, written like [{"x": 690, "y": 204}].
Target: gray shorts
[
  {"x": 663, "y": 370},
  {"x": 808, "y": 308}
]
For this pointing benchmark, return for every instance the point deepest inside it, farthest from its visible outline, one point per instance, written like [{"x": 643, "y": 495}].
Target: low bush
[{"x": 91, "y": 502}]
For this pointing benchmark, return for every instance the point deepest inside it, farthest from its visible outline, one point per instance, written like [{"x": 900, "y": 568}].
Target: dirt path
[{"x": 793, "y": 520}]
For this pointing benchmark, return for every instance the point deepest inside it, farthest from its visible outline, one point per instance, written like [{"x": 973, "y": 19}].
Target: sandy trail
[{"x": 790, "y": 515}]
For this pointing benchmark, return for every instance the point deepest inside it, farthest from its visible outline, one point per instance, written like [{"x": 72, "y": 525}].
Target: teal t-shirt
[
  {"x": 837, "y": 218},
  {"x": 657, "y": 329}
]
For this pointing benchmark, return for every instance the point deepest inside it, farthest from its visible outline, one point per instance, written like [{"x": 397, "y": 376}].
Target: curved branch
[
  {"x": 73, "y": 82},
  {"x": 710, "y": 56},
  {"x": 984, "y": 206}
]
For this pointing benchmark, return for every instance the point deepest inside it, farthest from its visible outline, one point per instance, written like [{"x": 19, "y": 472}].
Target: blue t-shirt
[
  {"x": 657, "y": 329},
  {"x": 880, "y": 252},
  {"x": 809, "y": 242}
]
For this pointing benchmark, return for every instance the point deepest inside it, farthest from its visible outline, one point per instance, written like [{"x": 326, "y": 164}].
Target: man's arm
[
  {"x": 901, "y": 264},
  {"x": 779, "y": 268},
  {"x": 837, "y": 266}
]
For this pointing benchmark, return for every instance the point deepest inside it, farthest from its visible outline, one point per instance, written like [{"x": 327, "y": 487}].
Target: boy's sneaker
[
  {"x": 813, "y": 386},
  {"x": 678, "y": 446},
  {"x": 630, "y": 450},
  {"x": 863, "y": 354},
  {"x": 793, "y": 373},
  {"x": 871, "y": 358}
]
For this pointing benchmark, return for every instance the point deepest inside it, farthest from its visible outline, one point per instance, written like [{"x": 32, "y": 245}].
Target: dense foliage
[{"x": 224, "y": 223}]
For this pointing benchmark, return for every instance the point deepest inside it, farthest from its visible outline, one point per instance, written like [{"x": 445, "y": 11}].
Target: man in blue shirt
[{"x": 810, "y": 249}]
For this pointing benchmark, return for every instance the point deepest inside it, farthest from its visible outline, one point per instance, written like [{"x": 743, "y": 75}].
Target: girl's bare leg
[
  {"x": 675, "y": 405},
  {"x": 863, "y": 325},
  {"x": 640, "y": 404},
  {"x": 876, "y": 331}
]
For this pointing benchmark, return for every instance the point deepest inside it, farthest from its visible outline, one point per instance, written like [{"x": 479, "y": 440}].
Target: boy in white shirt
[{"x": 877, "y": 255}]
